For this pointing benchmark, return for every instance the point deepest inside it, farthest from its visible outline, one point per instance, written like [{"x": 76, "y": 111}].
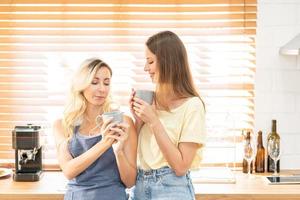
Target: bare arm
[
  {"x": 179, "y": 158},
  {"x": 138, "y": 125},
  {"x": 126, "y": 159},
  {"x": 70, "y": 166}
]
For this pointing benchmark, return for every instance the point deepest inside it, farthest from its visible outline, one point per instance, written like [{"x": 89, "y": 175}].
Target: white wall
[{"x": 278, "y": 77}]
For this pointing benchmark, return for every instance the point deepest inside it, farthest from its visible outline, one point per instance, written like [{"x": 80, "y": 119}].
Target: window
[{"x": 42, "y": 43}]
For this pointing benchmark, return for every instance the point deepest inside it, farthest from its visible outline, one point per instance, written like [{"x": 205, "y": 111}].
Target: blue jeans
[{"x": 162, "y": 184}]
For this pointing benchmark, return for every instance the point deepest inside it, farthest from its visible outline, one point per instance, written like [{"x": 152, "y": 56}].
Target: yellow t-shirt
[{"x": 185, "y": 123}]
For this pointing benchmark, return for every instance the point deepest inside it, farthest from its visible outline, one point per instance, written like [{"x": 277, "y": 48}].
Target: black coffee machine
[{"x": 28, "y": 153}]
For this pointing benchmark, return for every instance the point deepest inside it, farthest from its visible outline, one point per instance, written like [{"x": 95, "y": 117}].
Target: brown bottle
[
  {"x": 273, "y": 136},
  {"x": 260, "y": 155},
  {"x": 245, "y": 163}
]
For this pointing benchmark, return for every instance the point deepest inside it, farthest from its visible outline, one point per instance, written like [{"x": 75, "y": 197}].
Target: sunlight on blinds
[{"x": 41, "y": 44}]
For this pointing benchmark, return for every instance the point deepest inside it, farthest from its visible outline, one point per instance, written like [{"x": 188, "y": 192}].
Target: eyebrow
[{"x": 104, "y": 78}]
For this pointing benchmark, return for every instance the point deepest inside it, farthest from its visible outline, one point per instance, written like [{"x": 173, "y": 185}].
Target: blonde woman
[
  {"x": 98, "y": 157},
  {"x": 171, "y": 132}
]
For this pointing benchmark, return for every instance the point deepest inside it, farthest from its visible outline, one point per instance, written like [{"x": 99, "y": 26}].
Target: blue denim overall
[{"x": 101, "y": 180}]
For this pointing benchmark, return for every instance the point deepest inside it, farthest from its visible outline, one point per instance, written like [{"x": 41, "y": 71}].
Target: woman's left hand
[
  {"x": 120, "y": 136},
  {"x": 144, "y": 111}
]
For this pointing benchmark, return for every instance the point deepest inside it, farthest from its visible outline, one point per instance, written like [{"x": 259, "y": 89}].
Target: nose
[
  {"x": 101, "y": 88},
  {"x": 146, "y": 68}
]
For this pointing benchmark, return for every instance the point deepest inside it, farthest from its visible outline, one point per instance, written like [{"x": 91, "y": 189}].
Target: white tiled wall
[{"x": 278, "y": 77}]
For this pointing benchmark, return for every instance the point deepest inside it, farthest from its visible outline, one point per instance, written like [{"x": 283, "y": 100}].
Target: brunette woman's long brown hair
[{"x": 173, "y": 67}]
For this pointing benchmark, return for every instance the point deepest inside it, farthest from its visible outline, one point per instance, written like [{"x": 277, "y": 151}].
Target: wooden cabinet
[{"x": 53, "y": 184}]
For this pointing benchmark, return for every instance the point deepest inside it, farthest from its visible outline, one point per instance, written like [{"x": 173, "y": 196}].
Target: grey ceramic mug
[
  {"x": 146, "y": 95},
  {"x": 116, "y": 116}
]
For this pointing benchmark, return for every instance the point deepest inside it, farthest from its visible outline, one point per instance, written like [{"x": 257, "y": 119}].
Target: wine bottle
[
  {"x": 273, "y": 136},
  {"x": 245, "y": 166},
  {"x": 245, "y": 163},
  {"x": 260, "y": 155}
]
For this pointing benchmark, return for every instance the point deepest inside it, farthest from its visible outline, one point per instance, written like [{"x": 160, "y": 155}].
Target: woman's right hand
[
  {"x": 131, "y": 102},
  {"x": 106, "y": 131}
]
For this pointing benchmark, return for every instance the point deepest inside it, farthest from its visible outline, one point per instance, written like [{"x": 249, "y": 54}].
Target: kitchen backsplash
[{"x": 277, "y": 86}]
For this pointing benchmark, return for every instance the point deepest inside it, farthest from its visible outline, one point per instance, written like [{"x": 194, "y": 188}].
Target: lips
[{"x": 99, "y": 98}]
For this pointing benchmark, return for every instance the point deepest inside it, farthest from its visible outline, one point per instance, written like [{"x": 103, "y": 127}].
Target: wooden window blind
[{"x": 42, "y": 42}]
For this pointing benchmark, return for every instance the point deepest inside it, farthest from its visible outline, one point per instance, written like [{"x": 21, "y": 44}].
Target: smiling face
[
  {"x": 151, "y": 66},
  {"x": 99, "y": 88}
]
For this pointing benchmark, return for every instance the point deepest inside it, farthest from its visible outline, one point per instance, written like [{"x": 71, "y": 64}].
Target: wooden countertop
[
  {"x": 254, "y": 187},
  {"x": 52, "y": 187}
]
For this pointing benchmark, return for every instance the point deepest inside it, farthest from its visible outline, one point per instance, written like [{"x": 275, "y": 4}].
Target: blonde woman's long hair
[
  {"x": 175, "y": 77},
  {"x": 77, "y": 103}
]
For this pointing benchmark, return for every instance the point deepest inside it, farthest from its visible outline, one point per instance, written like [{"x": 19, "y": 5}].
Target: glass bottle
[
  {"x": 260, "y": 155},
  {"x": 245, "y": 163},
  {"x": 273, "y": 136}
]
